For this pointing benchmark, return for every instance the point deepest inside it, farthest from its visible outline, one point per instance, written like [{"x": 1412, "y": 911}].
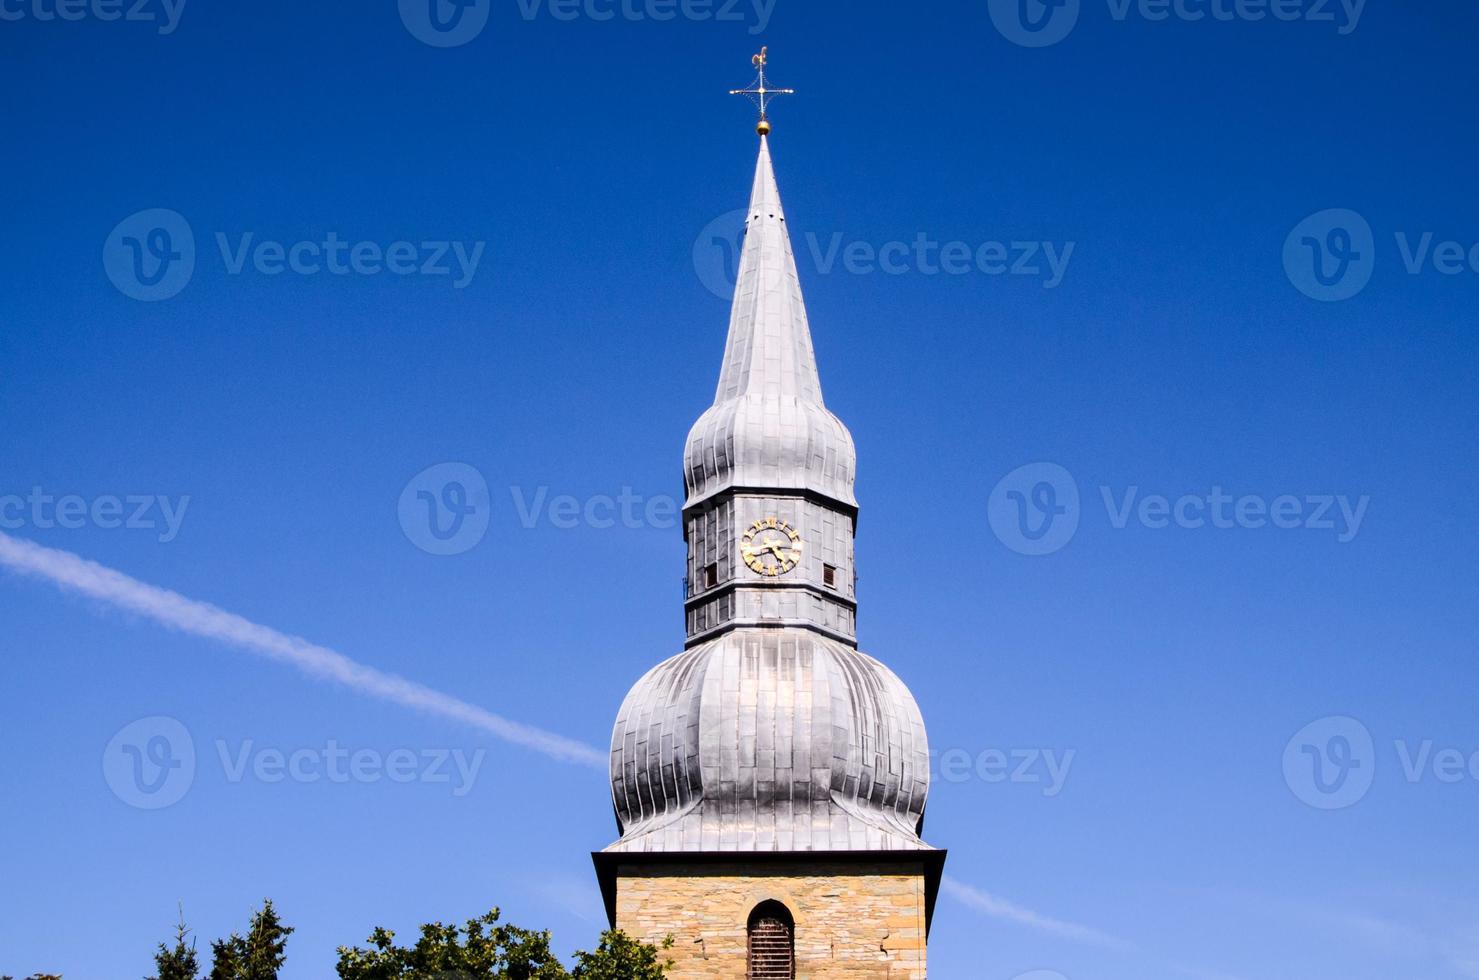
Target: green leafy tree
[
  {"x": 619, "y": 957},
  {"x": 226, "y": 958},
  {"x": 257, "y": 956},
  {"x": 266, "y": 944},
  {"x": 483, "y": 949},
  {"x": 179, "y": 963},
  {"x": 486, "y": 949}
]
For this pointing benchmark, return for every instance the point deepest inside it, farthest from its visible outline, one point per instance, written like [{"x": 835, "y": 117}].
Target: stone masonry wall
[{"x": 853, "y": 921}]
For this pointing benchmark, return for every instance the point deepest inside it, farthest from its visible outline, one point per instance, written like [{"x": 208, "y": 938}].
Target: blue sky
[{"x": 1187, "y": 351}]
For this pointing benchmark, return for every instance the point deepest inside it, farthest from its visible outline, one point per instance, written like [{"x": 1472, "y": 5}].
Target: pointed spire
[
  {"x": 768, "y": 454},
  {"x": 769, "y": 351}
]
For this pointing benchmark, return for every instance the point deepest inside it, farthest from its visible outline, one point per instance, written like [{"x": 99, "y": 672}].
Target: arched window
[{"x": 772, "y": 943}]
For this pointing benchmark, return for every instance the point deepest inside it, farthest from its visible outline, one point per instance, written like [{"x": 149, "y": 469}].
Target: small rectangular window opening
[
  {"x": 711, "y": 576},
  {"x": 829, "y": 576}
]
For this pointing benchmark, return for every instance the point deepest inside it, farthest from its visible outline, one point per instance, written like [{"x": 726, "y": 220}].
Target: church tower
[{"x": 770, "y": 781}]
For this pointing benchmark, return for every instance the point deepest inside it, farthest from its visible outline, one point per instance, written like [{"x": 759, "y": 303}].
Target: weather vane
[{"x": 760, "y": 91}]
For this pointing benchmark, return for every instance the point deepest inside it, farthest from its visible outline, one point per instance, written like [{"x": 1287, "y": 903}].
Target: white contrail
[
  {"x": 1000, "y": 908},
  {"x": 76, "y": 574}
]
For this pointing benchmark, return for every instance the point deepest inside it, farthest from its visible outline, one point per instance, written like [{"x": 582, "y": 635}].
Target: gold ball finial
[{"x": 764, "y": 128}]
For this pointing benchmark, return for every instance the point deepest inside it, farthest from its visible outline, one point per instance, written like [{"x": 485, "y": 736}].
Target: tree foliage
[
  {"x": 257, "y": 956},
  {"x": 179, "y": 962},
  {"x": 619, "y": 957},
  {"x": 486, "y": 949},
  {"x": 226, "y": 959}
]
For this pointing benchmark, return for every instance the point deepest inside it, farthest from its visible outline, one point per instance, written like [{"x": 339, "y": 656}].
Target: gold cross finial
[{"x": 760, "y": 91}]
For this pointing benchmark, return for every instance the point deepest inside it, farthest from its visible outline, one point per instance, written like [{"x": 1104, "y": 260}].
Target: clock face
[{"x": 770, "y": 546}]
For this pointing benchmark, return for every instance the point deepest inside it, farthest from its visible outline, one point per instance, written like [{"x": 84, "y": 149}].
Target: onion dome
[{"x": 770, "y": 740}]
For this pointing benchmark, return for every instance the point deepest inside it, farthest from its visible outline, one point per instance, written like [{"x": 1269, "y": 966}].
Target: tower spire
[
  {"x": 771, "y": 744},
  {"x": 770, "y": 513},
  {"x": 769, "y": 350}
]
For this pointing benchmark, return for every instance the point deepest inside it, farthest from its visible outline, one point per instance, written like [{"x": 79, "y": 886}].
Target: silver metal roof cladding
[
  {"x": 770, "y": 740},
  {"x": 768, "y": 426}
]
